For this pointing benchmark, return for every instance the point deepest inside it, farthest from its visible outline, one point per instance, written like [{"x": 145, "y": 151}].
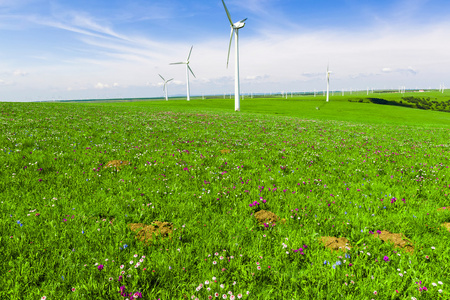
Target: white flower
[
  {"x": 434, "y": 284},
  {"x": 440, "y": 291},
  {"x": 440, "y": 282}
]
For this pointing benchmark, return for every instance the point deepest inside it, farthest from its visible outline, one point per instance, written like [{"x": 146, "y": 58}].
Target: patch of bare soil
[
  {"x": 117, "y": 164},
  {"x": 147, "y": 233},
  {"x": 446, "y": 226},
  {"x": 335, "y": 243},
  {"x": 268, "y": 217},
  {"x": 398, "y": 239},
  {"x": 225, "y": 151}
]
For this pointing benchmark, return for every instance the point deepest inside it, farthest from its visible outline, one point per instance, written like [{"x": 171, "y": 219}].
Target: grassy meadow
[{"x": 288, "y": 199}]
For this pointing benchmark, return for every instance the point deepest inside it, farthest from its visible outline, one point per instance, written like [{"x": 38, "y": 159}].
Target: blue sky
[{"x": 102, "y": 49}]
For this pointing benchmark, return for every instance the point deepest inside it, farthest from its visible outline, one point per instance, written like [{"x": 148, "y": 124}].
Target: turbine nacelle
[{"x": 239, "y": 25}]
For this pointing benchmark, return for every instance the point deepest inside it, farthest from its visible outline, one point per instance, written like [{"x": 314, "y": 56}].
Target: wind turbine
[
  {"x": 187, "y": 71},
  {"x": 328, "y": 81},
  {"x": 165, "y": 85},
  {"x": 234, "y": 29}
]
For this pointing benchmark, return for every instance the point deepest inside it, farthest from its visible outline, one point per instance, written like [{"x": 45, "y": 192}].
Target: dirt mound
[
  {"x": 446, "y": 226},
  {"x": 146, "y": 233},
  {"x": 398, "y": 239},
  {"x": 225, "y": 151},
  {"x": 117, "y": 164},
  {"x": 335, "y": 243},
  {"x": 268, "y": 217}
]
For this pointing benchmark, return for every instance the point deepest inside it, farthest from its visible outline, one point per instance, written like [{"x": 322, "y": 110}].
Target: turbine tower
[
  {"x": 328, "y": 81},
  {"x": 234, "y": 29},
  {"x": 165, "y": 86},
  {"x": 187, "y": 71}
]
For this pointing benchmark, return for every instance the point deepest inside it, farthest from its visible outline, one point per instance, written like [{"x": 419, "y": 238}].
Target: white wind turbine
[
  {"x": 165, "y": 86},
  {"x": 187, "y": 71},
  {"x": 328, "y": 82},
  {"x": 234, "y": 29}
]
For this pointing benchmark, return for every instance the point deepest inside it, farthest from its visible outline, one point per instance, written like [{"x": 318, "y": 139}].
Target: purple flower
[
  {"x": 100, "y": 267},
  {"x": 64, "y": 220},
  {"x": 378, "y": 231},
  {"x": 386, "y": 258}
]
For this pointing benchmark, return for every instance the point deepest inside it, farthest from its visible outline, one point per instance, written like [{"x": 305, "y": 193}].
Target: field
[{"x": 287, "y": 199}]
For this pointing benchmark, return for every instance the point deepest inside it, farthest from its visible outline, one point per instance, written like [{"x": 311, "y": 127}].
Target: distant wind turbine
[
  {"x": 234, "y": 29},
  {"x": 165, "y": 86},
  {"x": 187, "y": 71},
  {"x": 328, "y": 81}
]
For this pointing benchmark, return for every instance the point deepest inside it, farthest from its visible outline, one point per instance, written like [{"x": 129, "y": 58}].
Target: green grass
[
  {"x": 325, "y": 171},
  {"x": 339, "y": 108}
]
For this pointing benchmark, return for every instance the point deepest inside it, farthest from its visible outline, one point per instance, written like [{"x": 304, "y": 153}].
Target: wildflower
[
  {"x": 375, "y": 292},
  {"x": 100, "y": 267},
  {"x": 386, "y": 258},
  {"x": 73, "y": 289}
]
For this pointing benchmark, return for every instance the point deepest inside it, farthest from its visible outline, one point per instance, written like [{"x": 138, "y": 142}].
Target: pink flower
[{"x": 375, "y": 292}]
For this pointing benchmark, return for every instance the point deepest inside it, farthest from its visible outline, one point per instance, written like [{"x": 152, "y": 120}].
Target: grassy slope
[{"x": 306, "y": 107}]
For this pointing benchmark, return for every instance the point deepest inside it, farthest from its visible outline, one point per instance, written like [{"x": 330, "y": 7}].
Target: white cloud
[
  {"x": 6, "y": 83},
  {"x": 20, "y": 73},
  {"x": 101, "y": 86}
]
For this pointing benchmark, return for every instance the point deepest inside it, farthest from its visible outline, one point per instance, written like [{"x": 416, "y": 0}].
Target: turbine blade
[
  {"x": 169, "y": 80},
  {"x": 242, "y": 21},
  {"x": 229, "y": 46},
  {"x": 191, "y": 71},
  {"x": 190, "y": 53},
  {"x": 178, "y": 63},
  {"x": 228, "y": 13},
  {"x": 161, "y": 77}
]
